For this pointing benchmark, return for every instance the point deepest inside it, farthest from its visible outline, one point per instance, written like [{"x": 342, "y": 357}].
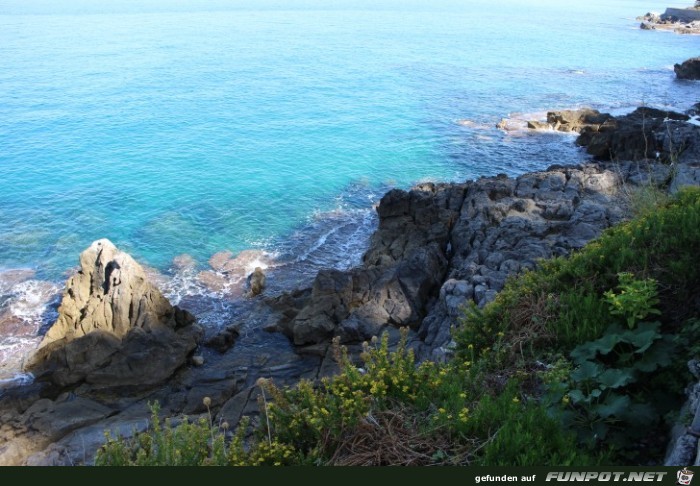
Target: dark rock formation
[
  {"x": 114, "y": 328},
  {"x": 689, "y": 69},
  {"x": 439, "y": 246},
  {"x": 402, "y": 272},
  {"x": 683, "y": 448},
  {"x": 644, "y": 134}
]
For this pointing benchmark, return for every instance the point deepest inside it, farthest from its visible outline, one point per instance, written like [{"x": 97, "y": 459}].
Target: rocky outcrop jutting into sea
[
  {"x": 689, "y": 69},
  {"x": 440, "y": 246},
  {"x": 114, "y": 327},
  {"x": 678, "y": 20}
]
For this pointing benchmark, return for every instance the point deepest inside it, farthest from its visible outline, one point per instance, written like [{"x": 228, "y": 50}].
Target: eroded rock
[{"x": 114, "y": 327}]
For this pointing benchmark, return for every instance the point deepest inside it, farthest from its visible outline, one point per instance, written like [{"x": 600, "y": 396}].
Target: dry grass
[
  {"x": 529, "y": 321},
  {"x": 394, "y": 437}
]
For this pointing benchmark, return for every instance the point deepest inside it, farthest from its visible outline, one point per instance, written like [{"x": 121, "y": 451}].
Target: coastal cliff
[{"x": 438, "y": 248}]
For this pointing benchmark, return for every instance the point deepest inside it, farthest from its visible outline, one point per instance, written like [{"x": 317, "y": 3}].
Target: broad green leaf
[
  {"x": 576, "y": 396},
  {"x": 586, "y": 371},
  {"x": 614, "y": 405},
  {"x": 590, "y": 350},
  {"x": 615, "y": 378},
  {"x": 643, "y": 336},
  {"x": 657, "y": 356}
]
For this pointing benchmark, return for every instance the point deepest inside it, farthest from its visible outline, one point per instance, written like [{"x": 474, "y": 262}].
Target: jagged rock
[
  {"x": 650, "y": 17},
  {"x": 689, "y": 69},
  {"x": 439, "y": 246},
  {"x": 110, "y": 293},
  {"x": 114, "y": 327},
  {"x": 256, "y": 282},
  {"x": 402, "y": 272}
]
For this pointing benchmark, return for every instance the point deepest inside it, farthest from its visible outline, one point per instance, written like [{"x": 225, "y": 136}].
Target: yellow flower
[
  {"x": 566, "y": 399},
  {"x": 516, "y": 400}
]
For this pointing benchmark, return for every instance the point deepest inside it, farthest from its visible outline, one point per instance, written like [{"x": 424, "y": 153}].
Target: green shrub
[
  {"x": 563, "y": 303},
  {"x": 525, "y": 434}
]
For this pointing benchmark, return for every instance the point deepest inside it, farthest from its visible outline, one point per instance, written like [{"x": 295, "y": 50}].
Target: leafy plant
[
  {"x": 599, "y": 394},
  {"x": 636, "y": 299}
]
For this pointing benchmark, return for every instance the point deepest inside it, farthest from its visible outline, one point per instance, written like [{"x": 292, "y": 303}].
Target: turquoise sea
[{"x": 195, "y": 126}]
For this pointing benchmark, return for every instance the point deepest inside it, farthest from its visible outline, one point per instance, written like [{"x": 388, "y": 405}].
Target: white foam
[
  {"x": 17, "y": 380},
  {"x": 320, "y": 241},
  {"x": 31, "y": 300}
]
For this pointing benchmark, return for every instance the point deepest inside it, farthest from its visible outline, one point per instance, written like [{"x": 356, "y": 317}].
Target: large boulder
[
  {"x": 689, "y": 69},
  {"x": 115, "y": 328}
]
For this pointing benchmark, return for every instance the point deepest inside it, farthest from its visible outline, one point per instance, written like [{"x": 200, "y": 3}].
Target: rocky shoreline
[
  {"x": 118, "y": 344},
  {"x": 678, "y": 20}
]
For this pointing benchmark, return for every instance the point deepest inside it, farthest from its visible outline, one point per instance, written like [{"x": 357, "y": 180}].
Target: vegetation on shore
[{"x": 579, "y": 362}]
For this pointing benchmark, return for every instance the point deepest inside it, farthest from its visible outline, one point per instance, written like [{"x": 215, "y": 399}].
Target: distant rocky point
[
  {"x": 678, "y": 20},
  {"x": 644, "y": 134}
]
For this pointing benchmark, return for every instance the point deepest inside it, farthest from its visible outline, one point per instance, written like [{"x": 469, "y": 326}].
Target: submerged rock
[{"x": 114, "y": 327}]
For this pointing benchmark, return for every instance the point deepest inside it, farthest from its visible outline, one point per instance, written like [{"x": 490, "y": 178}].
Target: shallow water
[{"x": 192, "y": 127}]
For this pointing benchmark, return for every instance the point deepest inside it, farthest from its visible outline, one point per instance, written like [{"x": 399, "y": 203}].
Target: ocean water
[{"x": 195, "y": 126}]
